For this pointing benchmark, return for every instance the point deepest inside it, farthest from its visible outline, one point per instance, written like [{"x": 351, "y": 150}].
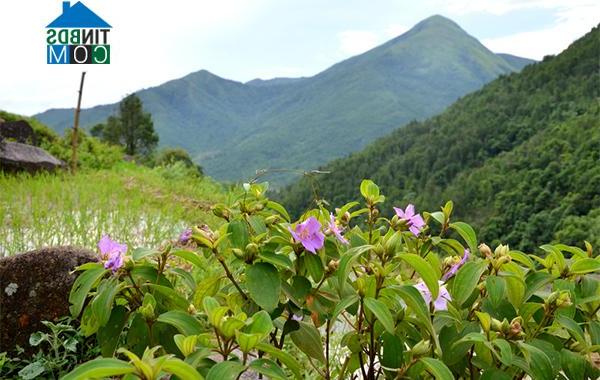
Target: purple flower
[
  {"x": 454, "y": 268},
  {"x": 185, "y": 236},
  {"x": 309, "y": 234},
  {"x": 441, "y": 303},
  {"x": 297, "y": 318},
  {"x": 336, "y": 230},
  {"x": 111, "y": 253},
  {"x": 414, "y": 221}
]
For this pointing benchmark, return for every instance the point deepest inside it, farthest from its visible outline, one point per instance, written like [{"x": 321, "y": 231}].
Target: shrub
[{"x": 413, "y": 296}]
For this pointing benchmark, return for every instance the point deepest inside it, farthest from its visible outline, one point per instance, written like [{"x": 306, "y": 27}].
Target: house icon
[{"x": 78, "y": 16}]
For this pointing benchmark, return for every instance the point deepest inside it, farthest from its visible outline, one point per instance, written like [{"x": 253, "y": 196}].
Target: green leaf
[
  {"x": 261, "y": 324},
  {"x": 415, "y": 302},
  {"x": 277, "y": 259},
  {"x": 369, "y": 189},
  {"x": 540, "y": 366},
  {"x": 522, "y": 258},
  {"x": 573, "y": 328},
  {"x": 437, "y": 368},
  {"x": 108, "y": 335},
  {"x": 300, "y": 288},
  {"x": 425, "y": 270},
  {"x": 535, "y": 281},
  {"x": 346, "y": 263},
  {"x": 268, "y": 368},
  {"x": 140, "y": 253},
  {"x": 495, "y": 287},
  {"x": 586, "y": 265},
  {"x": 280, "y": 209},
  {"x": 227, "y": 370},
  {"x": 314, "y": 265},
  {"x": 247, "y": 342},
  {"x": 170, "y": 297},
  {"x": 505, "y": 356},
  {"x": 189, "y": 256},
  {"x": 100, "y": 368},
  {"x": 467, "y": 233},
  {"x": 82, "y": 286},
  {"x": 181, "y": 369},
  {"x": 343, "y": 305},
  {"x": 287, "y": 359},
  {"x": 32, "y": 371},
  {"x": 466, "y": 280},
  {"x": 103, "y": 302},
  {"x": 381, "y": 312},
  {"x": 495, "y": 374},
  {"x": 393, "y": 351},
  {"x": 264, "y": 285},
  {"x": 573, "y": 364},
  {"x": 185, "y": 323},
  {"x": 238, "y": 234},
  {"x": 308, "y": 340}
]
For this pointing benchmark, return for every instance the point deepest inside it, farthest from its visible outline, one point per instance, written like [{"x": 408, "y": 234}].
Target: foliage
[
  {"x": 518, "y": 157},
  {"x": 168, "y": 157},
  {"x": 132, "y": 128},
  {"x": 234, "y": 128},
  {"x": 135, "y": 204},
  {"x": 92, "y": 153},
  {"x": 257, "y": 293},
  {"x": 62, "y": 347}
]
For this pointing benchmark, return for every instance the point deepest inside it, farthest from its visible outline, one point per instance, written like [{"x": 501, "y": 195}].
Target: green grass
[{"x": 136, "y": 205}]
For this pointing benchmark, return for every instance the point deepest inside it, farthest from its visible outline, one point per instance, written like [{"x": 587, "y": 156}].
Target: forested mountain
[
  {"x": 520, "y": 158},
  {"x": 233, "y": 128}
]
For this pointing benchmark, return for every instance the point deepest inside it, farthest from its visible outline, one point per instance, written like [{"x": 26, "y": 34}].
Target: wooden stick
[{"x": 76, "y": 127}]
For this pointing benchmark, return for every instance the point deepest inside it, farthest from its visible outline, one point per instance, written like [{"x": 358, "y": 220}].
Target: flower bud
[
  {"x": 238, "y": 253},
  {"x": 251, "y": 252},
  {"x": 221, "y": 211},
  {"x": 501, "y": 250},
  {"x": 360, "y": 286},
  {"x": 421, "y": 348},
  {"x": 496, "y": 325},
  {"x": 516, "y": 329},
  {"x": 485, "y": 250},
  {"x": 192, "y": 309},
  {"x": 333, "y": 265},
  {"x": 564, "y": 299},
  {"x": 345, "y": 219},
  {"x": 273, "y": 219},
  {"x": 378, "y": 250}
]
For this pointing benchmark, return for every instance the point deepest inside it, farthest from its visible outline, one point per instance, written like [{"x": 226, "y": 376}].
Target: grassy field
[{"x": 136, "y": 205}]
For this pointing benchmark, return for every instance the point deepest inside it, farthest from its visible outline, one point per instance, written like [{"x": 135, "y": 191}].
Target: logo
[{"x": 77, "y": 36}]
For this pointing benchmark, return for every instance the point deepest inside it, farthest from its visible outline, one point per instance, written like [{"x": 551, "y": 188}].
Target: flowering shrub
[{"x": 358, "y": 295}]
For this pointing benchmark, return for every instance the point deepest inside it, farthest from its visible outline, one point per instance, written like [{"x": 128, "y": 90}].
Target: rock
[
  {"x": 34, "y": 287},
  {"x": 19, "y": 130},
  {"x": 16, "y": 156}
]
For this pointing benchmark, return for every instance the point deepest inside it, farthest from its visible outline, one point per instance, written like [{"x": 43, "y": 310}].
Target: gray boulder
[
  {"x": 34, "y": 287},
  {"x": 16, "y": 156}
]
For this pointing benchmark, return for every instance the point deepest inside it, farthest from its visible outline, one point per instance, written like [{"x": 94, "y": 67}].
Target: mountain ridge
[
  {"x": 519, "y": 157},
  {"x": 234, "y": 128}
]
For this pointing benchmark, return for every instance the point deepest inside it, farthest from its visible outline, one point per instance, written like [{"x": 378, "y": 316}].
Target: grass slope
[
  {"x": 136, "y": 205},
  {"x": 520, "y": 157},
  {"x": 233, "y": 129}
]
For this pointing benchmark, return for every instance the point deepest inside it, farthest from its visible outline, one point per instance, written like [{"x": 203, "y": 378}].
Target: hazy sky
[{"x": 154, "y": 41}]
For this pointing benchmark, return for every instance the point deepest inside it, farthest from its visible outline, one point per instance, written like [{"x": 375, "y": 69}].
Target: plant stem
[
  {"x": 229, "y": 275},
  {"x": 327, "y": 369}
]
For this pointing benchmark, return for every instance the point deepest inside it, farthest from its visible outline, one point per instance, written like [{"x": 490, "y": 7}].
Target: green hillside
[
  {"x": 520, "y": 157},
  {"x": 232, "y": 128}
]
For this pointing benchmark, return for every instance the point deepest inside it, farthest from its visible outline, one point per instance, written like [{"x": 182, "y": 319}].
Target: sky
[{"x": 156, "y": 41}]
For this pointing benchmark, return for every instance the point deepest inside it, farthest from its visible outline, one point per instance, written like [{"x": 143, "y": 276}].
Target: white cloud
[
  {"x": 571, "y": 23},
  {"x": 152, "y": 41}
]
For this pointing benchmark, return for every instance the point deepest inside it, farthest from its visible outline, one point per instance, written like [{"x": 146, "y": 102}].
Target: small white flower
[{"x": 11, "y": 289}]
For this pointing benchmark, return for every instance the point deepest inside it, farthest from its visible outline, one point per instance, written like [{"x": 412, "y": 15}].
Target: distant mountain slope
[
  {"x": 232, "y": 129},
  {"x": 520, "y": 157}
]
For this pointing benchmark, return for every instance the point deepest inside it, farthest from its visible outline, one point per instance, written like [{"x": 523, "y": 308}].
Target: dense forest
[{"x": 520, "y": 157}]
